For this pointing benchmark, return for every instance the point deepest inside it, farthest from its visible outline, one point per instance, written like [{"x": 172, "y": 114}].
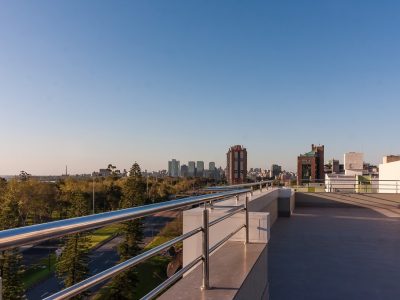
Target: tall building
[
  {"x": 191, "y": 169},
  {"x": 174, "y": 168},
  {"x": 353, "y": 163},
  {"x": 275, "y": 170},
  {"x": 200, "y": 168},
  {"x": 184, "y": 171},
  {"x": 236, "y": 165},
  {"x": 335, "y": 166},
  {"x": 310, "y": 166},
  {"x": 211, "y": 166}
]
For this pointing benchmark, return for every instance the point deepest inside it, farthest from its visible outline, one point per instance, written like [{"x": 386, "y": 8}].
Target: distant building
[
  {"x": 390, "y": 158},
  {"x": 184, "y": 171},
  {"x": 211, "y": 166},
  {"x": 389, "y": 176},
  {"x": 104, "y": 172},
  {"x": 174, "y": 168},
  {"x": 335, "y": 166},
  {"x": 310, "y": 166},
  {"x": 200, "y": 168},
  {"x": 191, "y": 169},
  {"x": 275, "y": 171},
  {"x": 236, "y": 166},
  {"x": 353, "y": 163}
]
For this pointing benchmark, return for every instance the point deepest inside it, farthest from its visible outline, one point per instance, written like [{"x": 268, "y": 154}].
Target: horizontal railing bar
[
  {"x": 32, "y": 234},
  {"x": 347, "y": 179},
  {"x": 216, "y": 221},
  {"x": 229, "y": 187},
  {"x": 221, "y": 242},
  {"x": 224, "y": 206},
  {"x": 164, "y": 285},
  {"x": 86, "y": 284}
]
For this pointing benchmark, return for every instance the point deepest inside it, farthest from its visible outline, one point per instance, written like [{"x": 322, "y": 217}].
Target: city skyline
[
  {"x": 147, "y": 81},
  {"x": 222, "y": 164}
]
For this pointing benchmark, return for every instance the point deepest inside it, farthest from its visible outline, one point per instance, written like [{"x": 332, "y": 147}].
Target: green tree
[
  {"x": 133, "y": 194},
  {"x": 11, "y": 268},
  {"x": 72, "y": 266}
]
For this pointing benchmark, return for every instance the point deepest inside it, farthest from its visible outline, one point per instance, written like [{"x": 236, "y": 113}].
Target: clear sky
[{"x": 87, "y": 83}]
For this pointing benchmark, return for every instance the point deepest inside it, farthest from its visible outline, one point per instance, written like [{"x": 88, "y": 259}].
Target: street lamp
[{"x": 93, "y": 192}]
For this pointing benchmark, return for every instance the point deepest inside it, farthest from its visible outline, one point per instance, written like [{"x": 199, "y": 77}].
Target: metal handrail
[
  {"x": 216, "y": 221},
  {"x": 115, "y": 270},
  {"x": 32, "y": 234},
  {"x": 236, "y": 186},
  {"x": 36, "y": 233},
  {"x": 354, "y": 184}
]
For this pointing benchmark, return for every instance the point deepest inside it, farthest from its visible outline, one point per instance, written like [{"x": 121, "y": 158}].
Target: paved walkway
[{"x": 335, "y": 253}]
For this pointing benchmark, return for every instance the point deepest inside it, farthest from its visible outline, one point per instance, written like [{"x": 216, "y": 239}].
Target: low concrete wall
[
  {"x": 347, "y": 199},
  {"x": 263, "y": 212},
  {"x": 255, "y": 285},
  {"x": 386, "y": 204},
  {"x": 286, "y": 202}
]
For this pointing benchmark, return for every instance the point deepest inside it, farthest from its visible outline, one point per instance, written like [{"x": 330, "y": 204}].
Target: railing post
[
  {"x": 206, "y": 252},
  {"x": 246, "y": 206},
  {"x": 251, "y": 193},
  {"x": 260, "y": 188},
  {"x": 237, "y": 200},
  {"x": 1, "y": 289}
]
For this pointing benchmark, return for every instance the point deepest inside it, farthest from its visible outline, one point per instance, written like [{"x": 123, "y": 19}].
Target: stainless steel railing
[
  {"x": 33, "y": 234},
  {"x": 259, "y": 184},
  {"x": 353, "y": 185}
]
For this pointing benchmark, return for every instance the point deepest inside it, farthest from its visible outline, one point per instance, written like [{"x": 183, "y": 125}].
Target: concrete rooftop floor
[{"x": 335, "y": 253}]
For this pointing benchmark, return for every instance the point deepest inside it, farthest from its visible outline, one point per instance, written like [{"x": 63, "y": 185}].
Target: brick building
[
  {"x": 236, "y": 165},
  {"x": 310, "y": 166}
]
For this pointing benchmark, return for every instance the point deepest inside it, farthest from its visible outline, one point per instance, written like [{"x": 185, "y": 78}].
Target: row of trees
[{"x": 26, "y": 201}]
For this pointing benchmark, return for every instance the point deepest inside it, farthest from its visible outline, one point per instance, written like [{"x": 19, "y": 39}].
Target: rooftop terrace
[
  {"x": 271, "y": 243},
  {"x": 334, "y": 252}
]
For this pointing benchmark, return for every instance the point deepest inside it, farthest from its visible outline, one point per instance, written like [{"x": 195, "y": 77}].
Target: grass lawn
[
  {"x": 39, "y": 271},
  {"x": 101, "y": 234}
]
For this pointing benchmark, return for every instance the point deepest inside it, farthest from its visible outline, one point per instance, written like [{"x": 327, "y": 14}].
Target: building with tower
[
  {"x": 236, "y": 165},
  {"x": 310, "y": 166}
]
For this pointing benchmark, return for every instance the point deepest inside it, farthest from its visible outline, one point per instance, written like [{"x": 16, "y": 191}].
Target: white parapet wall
[
  {"x": 389, "y": 177},
  {"x": 263, "y": 211}
]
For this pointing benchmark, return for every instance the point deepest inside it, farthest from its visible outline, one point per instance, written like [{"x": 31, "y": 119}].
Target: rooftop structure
[
  {"x": 389, "y": 176},
  {"x": 390, "y": 158},
  {"x": 353, "y": 163}
]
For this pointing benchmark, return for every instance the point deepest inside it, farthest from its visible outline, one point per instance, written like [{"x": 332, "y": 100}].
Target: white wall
[
  {"x": 263, "y": 211},
  {"x": 391, "y": 172}
]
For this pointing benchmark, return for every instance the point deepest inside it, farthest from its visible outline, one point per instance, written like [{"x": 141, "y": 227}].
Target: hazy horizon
[{"x": 86, "y": 84}]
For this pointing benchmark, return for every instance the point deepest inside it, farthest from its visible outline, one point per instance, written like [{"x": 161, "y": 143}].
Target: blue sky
[{"x": 87, "y": 83}]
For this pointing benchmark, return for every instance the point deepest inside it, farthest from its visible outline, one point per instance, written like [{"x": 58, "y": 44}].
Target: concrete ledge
[
  {"x": 263, "y": 211},
  {"x": 285, "y": 202},
  {"x": 237, "y": 271}
]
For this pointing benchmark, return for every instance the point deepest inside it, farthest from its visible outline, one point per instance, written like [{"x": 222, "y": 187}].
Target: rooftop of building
[
  {"x": 334, "y": 252},
  {"x": 334, "y": 246}
]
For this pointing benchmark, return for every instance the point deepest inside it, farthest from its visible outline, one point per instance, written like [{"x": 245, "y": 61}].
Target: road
[{"x": 103, "y": 257}]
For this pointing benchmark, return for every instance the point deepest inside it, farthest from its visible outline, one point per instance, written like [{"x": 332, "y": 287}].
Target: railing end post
[
  {"x": 206, "y": 252},
  {"x": 246, "y": 206}
]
